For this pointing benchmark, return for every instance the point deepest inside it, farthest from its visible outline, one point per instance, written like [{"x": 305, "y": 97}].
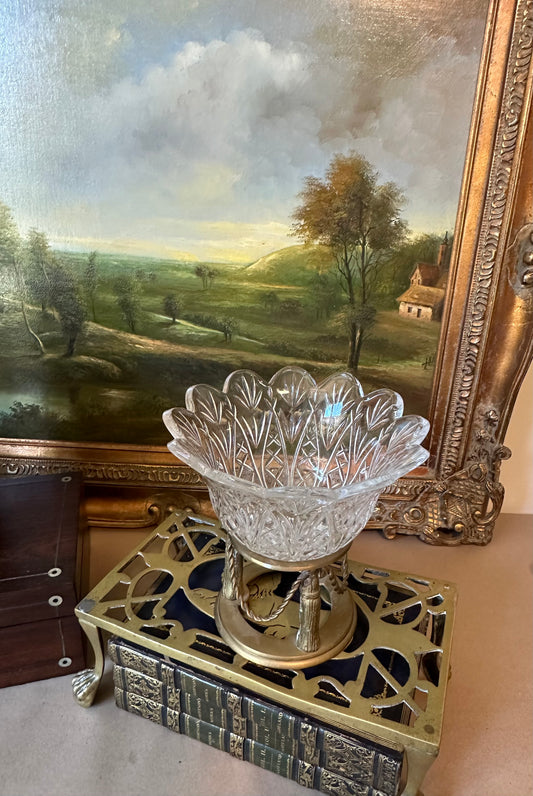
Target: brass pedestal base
[
  {"x": 284, "y": 628},
  {"x": 281, "y": 651}
]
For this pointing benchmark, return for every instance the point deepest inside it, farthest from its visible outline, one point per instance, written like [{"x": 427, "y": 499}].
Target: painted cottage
[{"x": 424, "y": 299}]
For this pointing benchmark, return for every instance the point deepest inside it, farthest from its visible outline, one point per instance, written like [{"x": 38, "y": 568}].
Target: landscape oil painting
[{"x": 190, "y": 187}]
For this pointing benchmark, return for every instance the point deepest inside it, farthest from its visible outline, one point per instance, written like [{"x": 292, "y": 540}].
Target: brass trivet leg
[
  {"x": 418, "y": 764},
  {"x": 85, "y": 683}
]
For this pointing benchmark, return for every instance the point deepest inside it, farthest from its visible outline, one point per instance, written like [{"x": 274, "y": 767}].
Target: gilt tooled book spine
[
  {"x": 265, "y": 757},
  {"x": 229, "y": 718},
  {"x": 357, "y": 759},
  {"x": 339, "y": 755}
]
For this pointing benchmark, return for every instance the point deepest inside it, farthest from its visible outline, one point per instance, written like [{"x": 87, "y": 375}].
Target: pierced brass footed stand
[
  {"x": 289, "y": 641},
  {"x": 388, "y": 684}
]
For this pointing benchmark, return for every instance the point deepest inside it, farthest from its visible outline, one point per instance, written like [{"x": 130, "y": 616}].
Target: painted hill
[{"x": 294, "y": 265}]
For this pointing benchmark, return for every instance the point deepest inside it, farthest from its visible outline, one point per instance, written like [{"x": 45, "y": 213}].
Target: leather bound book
[
  {"x": 170, "y": 685},
  {"x": 288, "y": 766}
]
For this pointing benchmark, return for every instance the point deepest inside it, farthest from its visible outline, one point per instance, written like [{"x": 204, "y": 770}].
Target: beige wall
[
  {"x": 403, "y": 308},
  {"x": 424, "y": 316},
  {"x": 517, "y": 472}
]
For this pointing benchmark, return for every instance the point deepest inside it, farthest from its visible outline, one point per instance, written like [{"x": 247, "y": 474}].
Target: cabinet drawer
[
  {"x": 37, "y": 650},
  {"x": 39, "y": 529},
  {"x": 25, "y": 600}
]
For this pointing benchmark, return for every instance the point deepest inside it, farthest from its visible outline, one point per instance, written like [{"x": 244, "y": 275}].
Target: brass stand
[
  {"x": 326, "y": 611},
  {"x": 389, "y": 682}
]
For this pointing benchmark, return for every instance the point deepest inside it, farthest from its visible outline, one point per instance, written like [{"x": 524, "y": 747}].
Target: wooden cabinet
[{"x": 39, "y": 577}]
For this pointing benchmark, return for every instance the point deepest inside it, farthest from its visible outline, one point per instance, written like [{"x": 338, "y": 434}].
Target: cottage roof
[
  {"x": 422, "y": 295},
  {"x": 428, "y": 273}
]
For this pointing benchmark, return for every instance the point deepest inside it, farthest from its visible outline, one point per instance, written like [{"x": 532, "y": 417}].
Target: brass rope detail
[
  {"x": 338, "y": 582},
  {"x": 230, "y": 561},
  {"x": 345, "y": 571},
  {"x": 243, "y": 602},
  {"x": 237, "y": 588}
]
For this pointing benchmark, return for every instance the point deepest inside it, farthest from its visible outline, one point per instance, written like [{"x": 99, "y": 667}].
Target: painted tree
[
  {"x": 91, "y": 282},
  {"x": 202, "y": 272},
  {"x": 126, "y": 291},
  {"x": 68, "y": 305},
  {"x": 290, "y": 307},
  {"x": 212, "y": 274},
  {"x": 10, "y": 251},
  {"x": 270, "y": 301},
  {"x": 37, "y": 268},
  {"x": 9, "y": 236},
  {"x": 229, "y": 327},
  {"x": 324, "y": 294},
  {"x": 11, "y": 259},
  {"x": 206, "y": 274},
  {"x": 172, "y": 307},
  {"x": 358, "y": 218}
]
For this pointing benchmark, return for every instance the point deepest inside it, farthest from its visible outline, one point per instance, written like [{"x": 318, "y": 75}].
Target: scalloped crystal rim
[
  {"x": 210, "y": 412},
  {"x": 326, "y": 494},
  {"x": 294, "y": 468}
]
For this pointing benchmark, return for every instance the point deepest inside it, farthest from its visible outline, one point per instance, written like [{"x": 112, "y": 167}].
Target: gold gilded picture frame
[{"x": 486, "y": 340}]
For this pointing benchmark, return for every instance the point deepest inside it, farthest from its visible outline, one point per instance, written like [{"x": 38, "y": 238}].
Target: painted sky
[{"x": 188, "y": 126}]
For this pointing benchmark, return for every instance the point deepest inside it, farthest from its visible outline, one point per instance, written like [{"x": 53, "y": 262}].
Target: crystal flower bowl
[{"x": 294, "y": 468}]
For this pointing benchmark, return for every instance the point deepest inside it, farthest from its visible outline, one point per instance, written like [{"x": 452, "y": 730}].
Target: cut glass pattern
[{"x": 294, "y": 468}]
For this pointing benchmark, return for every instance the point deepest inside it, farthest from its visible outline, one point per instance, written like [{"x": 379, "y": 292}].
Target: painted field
[{"x": 188, "y": 323}]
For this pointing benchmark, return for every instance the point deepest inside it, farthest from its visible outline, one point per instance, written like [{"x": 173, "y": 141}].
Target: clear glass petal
[{"x": 294, "y": 469}]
